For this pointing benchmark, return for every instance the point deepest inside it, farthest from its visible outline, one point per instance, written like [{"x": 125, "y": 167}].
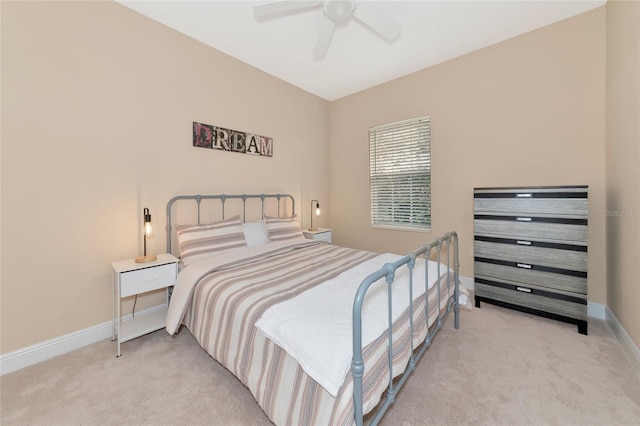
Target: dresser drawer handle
[
  {"x": 523, "y": 219},
  {"x": 150, "y": 280},
  {"x": 524, "y": 289},
  {"x": 523, "y": 265},
  {"x": 523, "y": 195},
  {"x": 523, "y": 243}
]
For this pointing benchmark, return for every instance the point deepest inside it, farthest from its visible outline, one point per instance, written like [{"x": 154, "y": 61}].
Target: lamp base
[
  {"x": 313, "y": 229},
  {"x": 147, "y": 258}
]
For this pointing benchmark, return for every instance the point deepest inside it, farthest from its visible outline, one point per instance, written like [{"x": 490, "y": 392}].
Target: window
[{"x": 400, "y": 174}]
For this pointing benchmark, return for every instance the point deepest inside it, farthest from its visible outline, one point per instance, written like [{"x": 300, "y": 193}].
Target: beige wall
[
  {"x": 97, "y": 107},
  {"x": 623, "y": 163},
  {"x": 527, "y": 111}
]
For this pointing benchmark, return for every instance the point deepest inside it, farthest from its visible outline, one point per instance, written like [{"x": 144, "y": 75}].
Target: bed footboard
[{"x": 447, "y": 243}]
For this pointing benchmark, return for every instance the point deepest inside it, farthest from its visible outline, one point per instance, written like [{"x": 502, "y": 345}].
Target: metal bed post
[
  {"x": 410, "y": 265},
  {"x": 439, "y": 251},
  {"x": 456, "y": 280}
]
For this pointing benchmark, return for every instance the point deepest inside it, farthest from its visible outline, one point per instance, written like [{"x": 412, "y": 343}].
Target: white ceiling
[{"x": 432, "y": 32}]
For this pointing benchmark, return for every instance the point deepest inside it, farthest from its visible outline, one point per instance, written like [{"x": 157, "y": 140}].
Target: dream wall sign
[{"x": 214, "y": 137}]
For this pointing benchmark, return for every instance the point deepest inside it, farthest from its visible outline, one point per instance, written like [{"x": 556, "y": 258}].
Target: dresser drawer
[
  {"x": 557, "y": 304},
  {"x": 148, "y": 279},
  {"x": 511, "y": 227},
  {"x": 524, "y": 256},
  {"x": 537, "y": 202},
  {"x": 545, "y": 279}
]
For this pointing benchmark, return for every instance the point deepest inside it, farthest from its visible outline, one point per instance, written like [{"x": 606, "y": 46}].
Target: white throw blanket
[{"x": 315, "y": 328}]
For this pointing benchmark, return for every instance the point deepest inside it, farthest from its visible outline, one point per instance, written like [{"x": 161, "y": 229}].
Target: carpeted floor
[{"x": 501, "y": 368}]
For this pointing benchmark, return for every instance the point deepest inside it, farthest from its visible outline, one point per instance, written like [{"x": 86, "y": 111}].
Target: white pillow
[{"x": 255, "y": 233}]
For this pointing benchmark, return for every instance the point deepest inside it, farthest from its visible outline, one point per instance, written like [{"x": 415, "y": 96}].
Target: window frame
[{"x": 410, "y": 132}]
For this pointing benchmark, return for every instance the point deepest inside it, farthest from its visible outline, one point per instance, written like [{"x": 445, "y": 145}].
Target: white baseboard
[
  {"x": 628, "y": 346},
  {"x": 467, "y": 282},
  {"x": 596, "y": 310},
  {"x": 60, "y": 345}
]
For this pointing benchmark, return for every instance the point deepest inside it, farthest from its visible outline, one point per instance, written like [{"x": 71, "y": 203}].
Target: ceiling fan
[{"x": 336, "y": 12}]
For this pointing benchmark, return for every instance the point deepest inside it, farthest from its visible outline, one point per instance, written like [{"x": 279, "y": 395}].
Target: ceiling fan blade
[
  {"x": 282, "y": 7},
  {"x": 326, "y": 33},
  {"x": 377, "y": 21}
]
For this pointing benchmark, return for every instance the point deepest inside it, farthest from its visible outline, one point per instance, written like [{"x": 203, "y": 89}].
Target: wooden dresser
[{"x": 530, "y": 250}]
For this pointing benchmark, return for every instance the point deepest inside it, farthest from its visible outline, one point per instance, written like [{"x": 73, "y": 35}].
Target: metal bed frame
[{"x": 447, "y": 243}]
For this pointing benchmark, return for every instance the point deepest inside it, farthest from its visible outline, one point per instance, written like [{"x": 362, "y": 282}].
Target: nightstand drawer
[
  {"x": 322, "y": 234},
  {"x": 148, "y": 279}
]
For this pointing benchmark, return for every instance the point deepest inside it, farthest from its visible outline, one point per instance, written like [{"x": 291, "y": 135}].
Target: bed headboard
[{"x": 201, "y": 209}]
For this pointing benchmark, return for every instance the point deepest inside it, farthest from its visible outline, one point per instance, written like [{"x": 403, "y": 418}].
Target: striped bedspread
[{"x": 221, "y": 299}]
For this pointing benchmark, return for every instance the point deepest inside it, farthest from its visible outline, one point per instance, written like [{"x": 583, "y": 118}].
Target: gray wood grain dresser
[{"x": 530, "y": 250}]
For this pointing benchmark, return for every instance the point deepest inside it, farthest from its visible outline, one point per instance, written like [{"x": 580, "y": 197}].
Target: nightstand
[
  {"x": 322, "y": 234},
  {"x": 130, "y": 279}
]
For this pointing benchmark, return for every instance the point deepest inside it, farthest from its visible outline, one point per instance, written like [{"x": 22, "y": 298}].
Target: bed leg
[{"x": 477, "y": 301}]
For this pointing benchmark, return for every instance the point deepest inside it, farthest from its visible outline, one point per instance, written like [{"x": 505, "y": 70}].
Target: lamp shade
[
  {"x": 312, "y": 228},
  {"x": 148, "y": 229}
]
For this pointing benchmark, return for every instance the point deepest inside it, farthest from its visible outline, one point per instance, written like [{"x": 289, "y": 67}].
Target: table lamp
[
  {"x": 312, "y": 228},
  {"x": 148, "y": 229}
]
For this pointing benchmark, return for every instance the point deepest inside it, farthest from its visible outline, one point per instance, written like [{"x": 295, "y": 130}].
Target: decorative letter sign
[{"x": 213, "y": 137}]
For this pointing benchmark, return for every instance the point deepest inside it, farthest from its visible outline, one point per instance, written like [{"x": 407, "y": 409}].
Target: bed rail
[
  {"x": 223, "y": 198},
  {"x": 448, "y": 243}
]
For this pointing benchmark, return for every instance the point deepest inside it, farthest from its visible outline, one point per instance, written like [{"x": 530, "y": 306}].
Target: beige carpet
[{"x": 501, "y": 368}]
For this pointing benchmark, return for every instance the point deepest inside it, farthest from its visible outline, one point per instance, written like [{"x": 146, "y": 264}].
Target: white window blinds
[{"x": 400, "y": 174}]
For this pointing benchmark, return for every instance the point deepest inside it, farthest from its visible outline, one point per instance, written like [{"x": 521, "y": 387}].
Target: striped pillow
[
  {"x": 197, "y": 242},
  {"x": 282, "y": 229}
]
